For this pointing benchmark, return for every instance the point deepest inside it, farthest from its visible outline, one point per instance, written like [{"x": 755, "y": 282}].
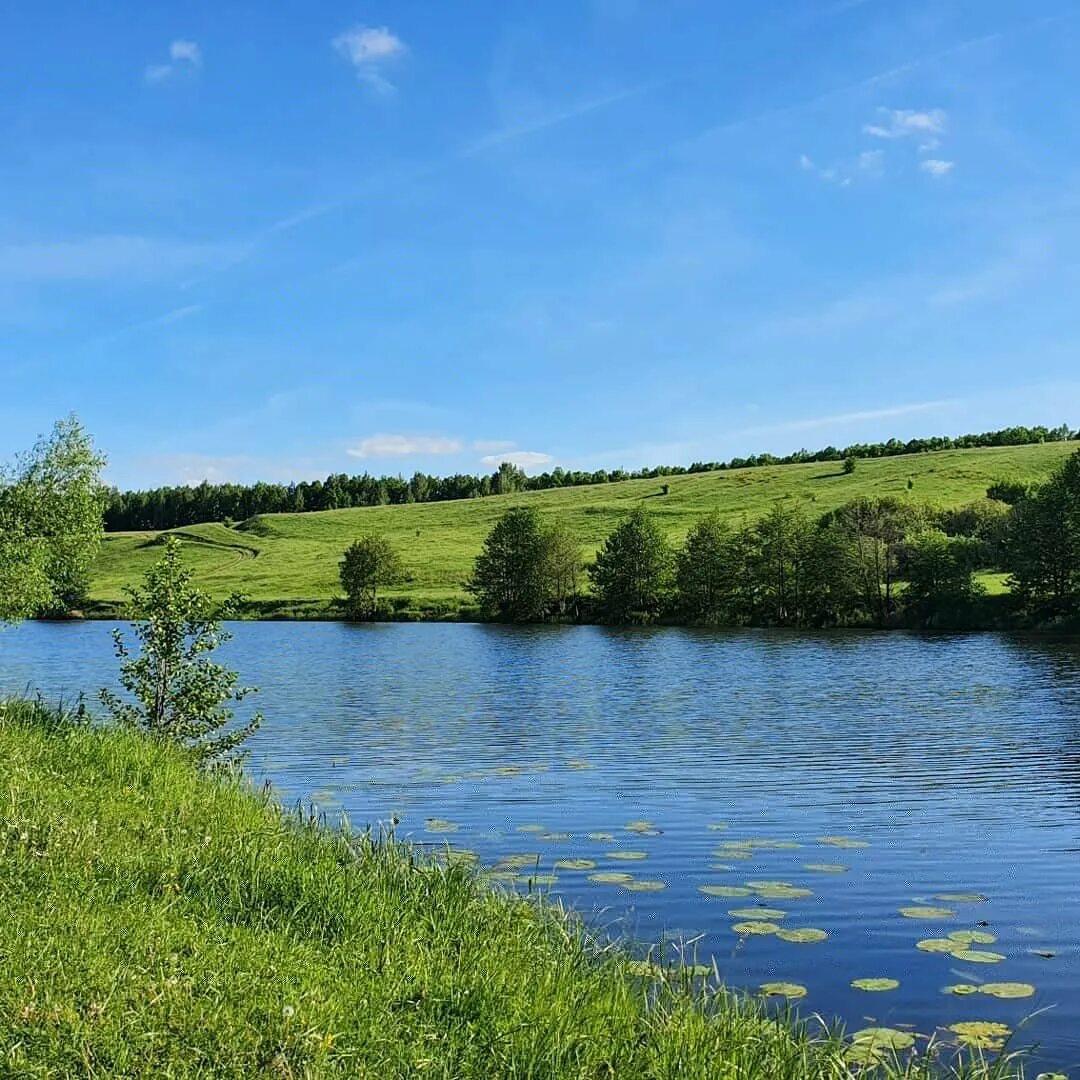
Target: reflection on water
[{"x": 672, "y": 784}]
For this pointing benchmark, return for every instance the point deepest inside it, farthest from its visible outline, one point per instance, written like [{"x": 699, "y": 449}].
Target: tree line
[
  {"x": 873, "y": 561},
  {"x": 178, "y": 506}
]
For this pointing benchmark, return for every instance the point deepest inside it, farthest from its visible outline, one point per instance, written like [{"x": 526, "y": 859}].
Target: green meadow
[
  {"x": 288, "y": 563},
  {"x": 163, "y": 923}
]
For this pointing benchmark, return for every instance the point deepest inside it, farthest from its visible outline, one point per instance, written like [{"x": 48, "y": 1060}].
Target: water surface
[{"x": 956, "y": 760}]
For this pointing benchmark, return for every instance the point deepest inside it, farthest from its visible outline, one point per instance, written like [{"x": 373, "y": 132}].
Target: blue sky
[{"x": 272, "y": 241}]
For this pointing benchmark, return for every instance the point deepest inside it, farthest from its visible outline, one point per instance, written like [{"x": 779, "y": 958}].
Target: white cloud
[
  {"x": 182, "y": 53},
  {"x": 379, "y": 446},
  {"x": 807, "y": 162},
  {"x": 370, "y": 49},
  {"x": 937, "y": 167},
  {"x": 872, "y": 160},
  {"x": 846, "y": 418},
  {"x": 186, "y": 52},
  {"x": 898, "y": 123},
  {"x": 522, "y": 458}
]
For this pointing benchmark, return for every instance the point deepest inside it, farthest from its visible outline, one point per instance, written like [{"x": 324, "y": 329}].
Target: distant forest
[{"x": 174, "y": 507}]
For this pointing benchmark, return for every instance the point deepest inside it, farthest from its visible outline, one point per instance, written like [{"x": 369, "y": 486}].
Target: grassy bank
[
  {"x": 160, "y": 924},
  {"x": 287, "y": 564}
]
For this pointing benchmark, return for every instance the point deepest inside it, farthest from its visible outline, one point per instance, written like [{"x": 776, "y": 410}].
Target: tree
[
  {"x": 562, "y": 565},
  {"x": 1042, "y": 544},
  {"x": 941, "y": 589},
  {"x": 369, "y": 564},
  {"x": 849, "y": 465},
  {"x": 876, "y": 529},
  {"x": 179, "y": 693},
  {"x": 708, "y": 571},
  {"x": 509, "y": 575},
  {"x": 632, "y": 575},
  {"x": 51, "y": 506}
]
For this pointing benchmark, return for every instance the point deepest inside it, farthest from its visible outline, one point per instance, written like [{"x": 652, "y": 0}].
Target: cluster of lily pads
[{"x": 867, "y": 1047}]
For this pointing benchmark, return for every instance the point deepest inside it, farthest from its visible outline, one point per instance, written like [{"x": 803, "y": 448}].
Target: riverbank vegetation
[
  {"x": 931, "y": 540},
  {"x": 159, "y": 921}
]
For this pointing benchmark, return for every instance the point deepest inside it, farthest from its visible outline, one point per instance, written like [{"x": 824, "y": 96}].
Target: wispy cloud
[
  {"x": 839, "y": 419},
  {"x": 383, "y": 446},
  {"x": 182, "y": 54},
  {"x": 371, "y": 50},
  {"x": 100, "y": 258},
  {"x": 900, "y": 123},
  {"x": 936, "y": 167},
  {"x": 553, "y": 119},
  {"x": 522, "y": 458}
]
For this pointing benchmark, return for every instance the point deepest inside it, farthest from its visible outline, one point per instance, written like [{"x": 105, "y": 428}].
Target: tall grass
[{"x": 159, "y": 923}]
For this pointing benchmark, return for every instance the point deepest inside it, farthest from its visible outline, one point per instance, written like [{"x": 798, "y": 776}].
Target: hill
[{"x": 287, "y": 564}]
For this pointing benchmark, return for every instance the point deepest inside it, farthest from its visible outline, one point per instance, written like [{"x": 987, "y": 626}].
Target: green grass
[
  {"x": 288, "y": 562},
  {"x": 161, "y": 924}
]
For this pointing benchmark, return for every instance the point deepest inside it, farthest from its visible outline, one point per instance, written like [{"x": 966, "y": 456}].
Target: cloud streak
[
  {"x": 182, "y": 54},
  {"x": 383, "y": 446}
]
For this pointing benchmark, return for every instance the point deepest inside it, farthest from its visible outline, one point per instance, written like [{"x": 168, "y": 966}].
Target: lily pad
[
  {"x": 842, "y": 842},
  {"x": 883, "y": 1038},
  {"x": 440, "y": 825},
  {"x": 929, "y": 913},
  {"x": 716, "y": 826},
  {"x": 826, "y": 867},
  {"x": 532, "y": 828},
  {"x": 789, "y": 990},
  {"x": 518, "y": 862},
  {"x": 640, "y": 827},
  {"x": 733, "y": 853},
  {"x": 755, "y": 928},
  {"x": 757, "y": 913},
  {"x": 973, "y": 937},
  {"x": 501, "y": 875},
  {"x": 537, "y": 879},
  {"x": 723, "y": 890},
  {"x": 638, "y": 885},
  {"x": 978, "y": 956},
  {"x": 774, "y": 845},
  {"x": 939, "y": 945},
  {"x": 555, "y": 836},
  {"x": 781, "y": 892},
  {"x": 962, "y": 898},
  {"x": 1007, "y": 989},
  {"x": 574, "y": 864},
  {"x": 735, "y": 845},
  {"x": 627, "y": 856},
  {"x": 960, "y": 989},
  {"x": 982, "y": 1034},
  {"x": 806, "y": 936},
  {"x": 603, "y": 837},
  {"x": 875, "y": 985},
  {"x": 611, "y": 877},
  {"x": 575, "y": 763}
]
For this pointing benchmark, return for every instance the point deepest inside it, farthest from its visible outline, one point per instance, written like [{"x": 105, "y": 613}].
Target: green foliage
[
  {"x": 179, "y": 692},
  {"x": 369, "y": 564},
  {"x": 633, "y": 573},
  {"x": 51, "y": 504},
  {"x": 1042, "y": 546},
  {"x": 288, "y": 563},
  {"x": 875, "y": 530},
  {"x": 707, "y": 572},
  {"x": 162, "y": 923},
  {"x": 941, "y": 589},
  {"x": 562, "y": 566},
  {"x": 509, "y": 576},
  {"x": 849, "y": 465}
]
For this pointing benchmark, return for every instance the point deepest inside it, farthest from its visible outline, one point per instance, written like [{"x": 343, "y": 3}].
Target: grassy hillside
[
  {"x": 286, "y": 559},
  {"x": 158, "y": 923}
]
